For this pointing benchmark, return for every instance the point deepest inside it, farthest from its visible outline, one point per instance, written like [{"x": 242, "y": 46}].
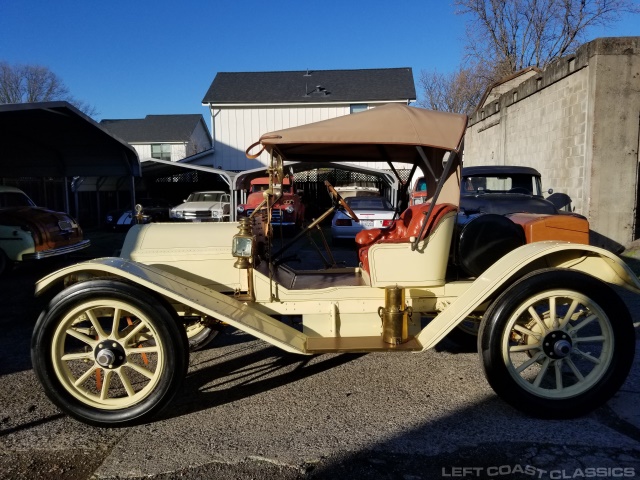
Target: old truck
[
  {"x": 555, "y": 339},
  {"x": 287, "y": 210}
]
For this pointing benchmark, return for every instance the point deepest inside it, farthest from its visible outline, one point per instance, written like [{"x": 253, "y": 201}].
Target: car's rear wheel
[
  {"x": 109, "y": 353},
  {"x": 5, "y": 263},
  {"x": 200, "y": 333},
  {"x": 557, "y": 343}
]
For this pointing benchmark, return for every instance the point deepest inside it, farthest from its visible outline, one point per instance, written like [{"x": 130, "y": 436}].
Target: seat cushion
[
  {"x": 397, "y": 229},
  {"x": 409, "y": 224}
]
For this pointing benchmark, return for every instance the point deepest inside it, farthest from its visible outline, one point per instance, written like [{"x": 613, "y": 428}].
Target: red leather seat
[{"x": 408, "y": 225}]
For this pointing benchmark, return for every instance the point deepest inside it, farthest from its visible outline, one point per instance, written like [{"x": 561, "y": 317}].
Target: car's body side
[{"x": 196, "y": 270}]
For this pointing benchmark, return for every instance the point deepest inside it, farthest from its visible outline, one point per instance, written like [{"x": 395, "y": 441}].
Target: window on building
[
  {"x": 358, "y": 107},
  {"x": 161, "y": 151}
]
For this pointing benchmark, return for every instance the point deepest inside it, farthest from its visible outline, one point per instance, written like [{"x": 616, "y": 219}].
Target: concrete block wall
[{"x": 566, "y": 122}]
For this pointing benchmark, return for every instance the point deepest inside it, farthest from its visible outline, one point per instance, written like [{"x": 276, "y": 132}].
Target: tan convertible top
[{"x": 386, "y": 133}]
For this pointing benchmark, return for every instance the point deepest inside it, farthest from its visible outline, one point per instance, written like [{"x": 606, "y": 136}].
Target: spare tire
[{"x": 485, "y": 238}]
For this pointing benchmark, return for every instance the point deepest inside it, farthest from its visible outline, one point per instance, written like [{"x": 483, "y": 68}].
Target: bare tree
[
  {"x": 457, "y": 92},
  {"x": 35, "y": 83},
  {"x": 515, "y": 34},
  {"x": 506, "y": 36}
]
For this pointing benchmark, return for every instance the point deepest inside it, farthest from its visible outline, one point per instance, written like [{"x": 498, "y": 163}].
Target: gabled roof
[
  {"x": 155, "y": 128},
  {"x": 312, "y": 86}
]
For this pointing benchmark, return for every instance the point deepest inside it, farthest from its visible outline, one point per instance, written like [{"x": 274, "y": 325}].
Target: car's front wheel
[
  {"x": 557, "y": 343},
  {"x": 109, "y": 353}
]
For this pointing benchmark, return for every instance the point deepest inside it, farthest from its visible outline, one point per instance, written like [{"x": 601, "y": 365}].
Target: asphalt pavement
[{"x": 249, "y": 410}]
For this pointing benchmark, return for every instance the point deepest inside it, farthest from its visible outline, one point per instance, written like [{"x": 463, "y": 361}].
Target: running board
[{"x": 358, "y": 345}]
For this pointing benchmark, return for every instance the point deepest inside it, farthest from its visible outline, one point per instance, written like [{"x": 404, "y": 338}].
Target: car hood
[
  {"x": 29, "y": 216},
  {"x": 199, "y": 205},
  {"x": 254, "y": 199},
  {"x": 504, "y": 203}
]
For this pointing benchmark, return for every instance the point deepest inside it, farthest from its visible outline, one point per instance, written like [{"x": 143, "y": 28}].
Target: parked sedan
[
  {"x": 30, "y": 233},
  {"x": 373, "y": 212},
  {"x": 153, "y": 210}
]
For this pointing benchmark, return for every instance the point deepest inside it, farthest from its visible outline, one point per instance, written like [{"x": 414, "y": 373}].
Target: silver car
[{"x": 373, "y": 212}]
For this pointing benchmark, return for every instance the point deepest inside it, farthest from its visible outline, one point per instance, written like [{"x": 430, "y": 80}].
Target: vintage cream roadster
[{"x": 555, "y": 339}]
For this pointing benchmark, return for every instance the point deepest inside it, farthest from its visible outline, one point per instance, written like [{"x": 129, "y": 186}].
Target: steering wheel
[
  {"x": 340, "y": 200},
  {"x": 519, "y": 190}
]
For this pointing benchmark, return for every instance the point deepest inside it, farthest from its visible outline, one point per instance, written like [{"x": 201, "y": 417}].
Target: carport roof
[
  {"x": 157, "y": 167},
  {"x": 55, "y": 139}
]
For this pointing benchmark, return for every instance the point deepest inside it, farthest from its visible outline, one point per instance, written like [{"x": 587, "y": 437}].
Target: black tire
[
  {"x": 107, "y": 379},
  {"x": 5, "y": 264},
  {"x": 556, "y": 379}
]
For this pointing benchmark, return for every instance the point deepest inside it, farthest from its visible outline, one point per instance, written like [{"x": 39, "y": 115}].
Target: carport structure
[
  {"x": 238, "y": 182},
  {"x": 242, "y": 180},
  {"x": 55, "y": 139}
]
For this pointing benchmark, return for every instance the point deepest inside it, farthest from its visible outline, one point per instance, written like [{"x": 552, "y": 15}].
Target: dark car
[
  {"x": 153, "y": 210},
  {"x": 503, "y": 189},
  {"x": 501, "y": 208}
]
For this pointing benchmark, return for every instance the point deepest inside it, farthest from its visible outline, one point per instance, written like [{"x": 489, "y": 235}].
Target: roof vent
[{"x": 320, "y": 90}]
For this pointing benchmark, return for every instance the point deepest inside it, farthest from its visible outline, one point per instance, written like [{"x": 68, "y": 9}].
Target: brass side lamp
[{"x": 242, "y": 244}]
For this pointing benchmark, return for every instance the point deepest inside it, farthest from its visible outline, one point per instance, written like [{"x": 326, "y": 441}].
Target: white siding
[
  {"x": 234, "y": 129},
  {"x": 144, "y": 151},
  {"x": 178, "y": 151},
  {"x": 199, "y": 141}
]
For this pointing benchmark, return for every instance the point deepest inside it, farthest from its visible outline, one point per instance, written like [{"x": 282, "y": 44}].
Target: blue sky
[{"x": 137, "y": 57}]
